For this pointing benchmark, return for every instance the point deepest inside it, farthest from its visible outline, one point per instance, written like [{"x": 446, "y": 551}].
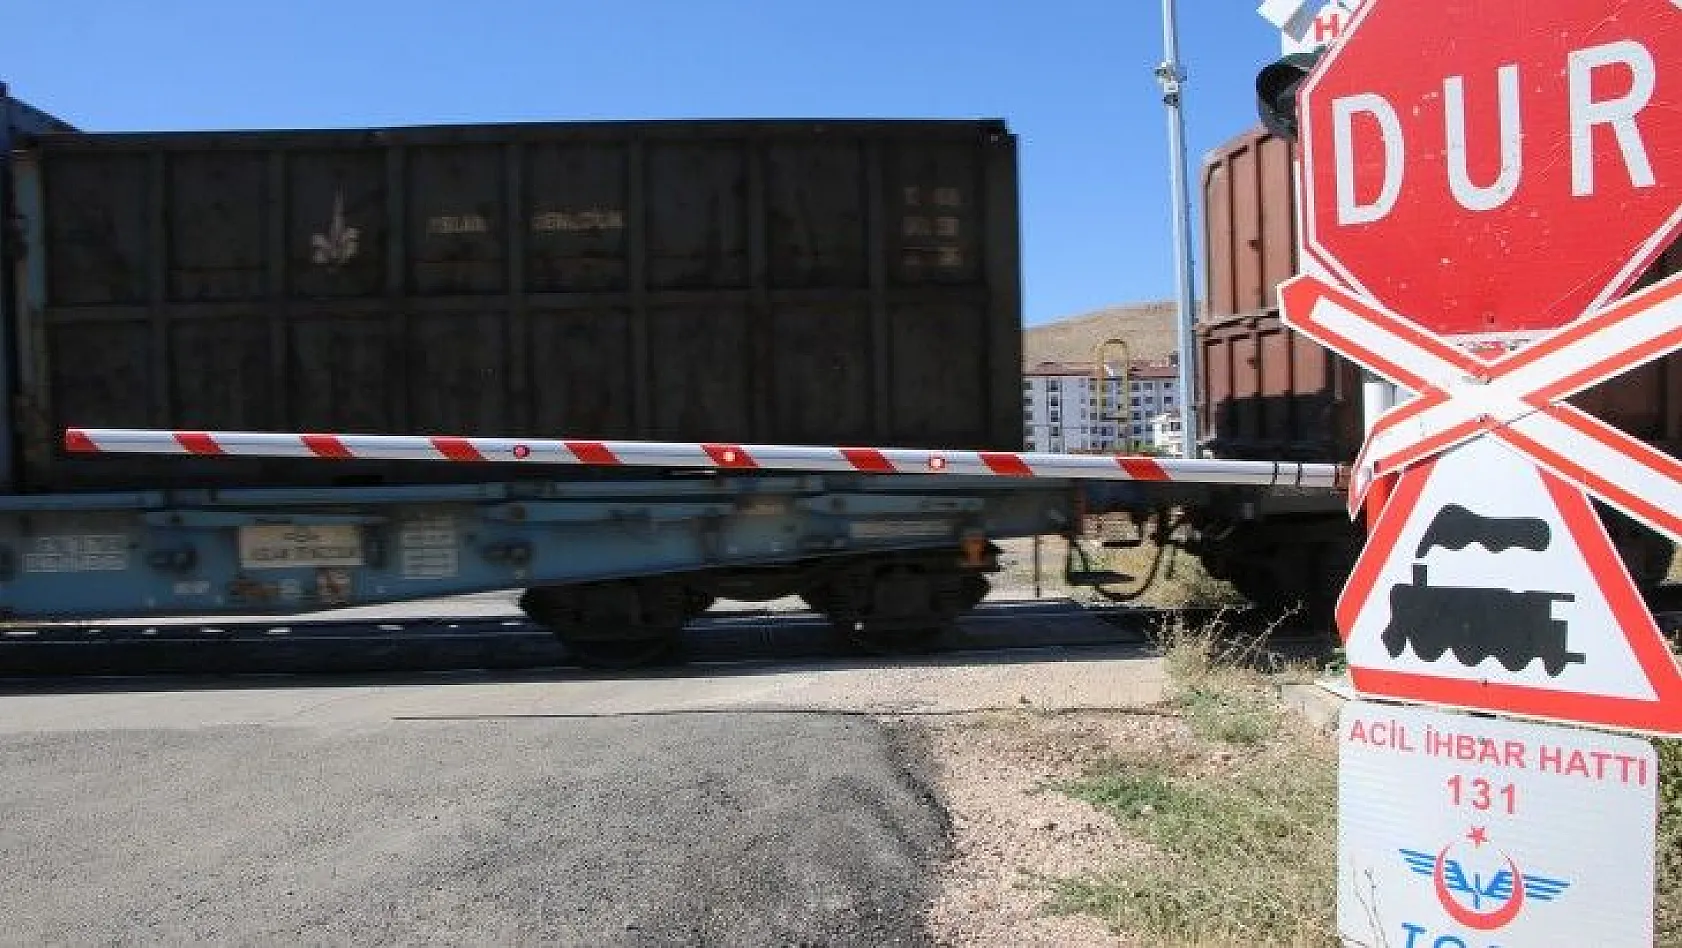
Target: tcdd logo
[{"x": 1483, "y": 901}]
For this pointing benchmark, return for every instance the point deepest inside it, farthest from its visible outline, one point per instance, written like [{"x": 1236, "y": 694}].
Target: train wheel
[
  {"x": 1516, "y": 663},
  {"x": 697, "y": 603},
  {"x": 616, "y": 625},
  {"x": 1553, "y": 663},
  {"x": 1278, "y": 573},
  {"x": 1429, "y": 645},
  {"x": 896, "y": 606},
  {"x": 1470, "y": 655}
]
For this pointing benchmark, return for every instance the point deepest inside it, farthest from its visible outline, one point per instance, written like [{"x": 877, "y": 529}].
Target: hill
[{"x": 1147, "y": 328}]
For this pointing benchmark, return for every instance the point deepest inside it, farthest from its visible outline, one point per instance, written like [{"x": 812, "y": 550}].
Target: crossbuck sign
[
  {"x": 1517, "y": 400},
  {"x": 1479, "y": 191}
]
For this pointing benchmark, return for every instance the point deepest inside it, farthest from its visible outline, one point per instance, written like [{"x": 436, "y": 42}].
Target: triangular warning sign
[{"x": 1488, "y": 584}]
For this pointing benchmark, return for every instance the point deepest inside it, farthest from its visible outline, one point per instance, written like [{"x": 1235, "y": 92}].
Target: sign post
[{"x": 1481, "y": 184}]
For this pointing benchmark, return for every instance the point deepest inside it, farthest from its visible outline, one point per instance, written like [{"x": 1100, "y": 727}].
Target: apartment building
[
  {"x": 1061, "y": 406},
  {"x": 1155, "y": 391},
  {"x": 1167, "y": 434}
]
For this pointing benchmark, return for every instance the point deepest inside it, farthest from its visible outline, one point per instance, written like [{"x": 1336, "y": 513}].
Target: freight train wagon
[
  {"x": 1267, "y": 392},
  {"x": 803, "y": 282},
  {"x": 808, "y": 282}
]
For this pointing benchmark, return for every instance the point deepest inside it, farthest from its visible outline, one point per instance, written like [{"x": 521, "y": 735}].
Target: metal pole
[{"x": 1173, "y": 78}]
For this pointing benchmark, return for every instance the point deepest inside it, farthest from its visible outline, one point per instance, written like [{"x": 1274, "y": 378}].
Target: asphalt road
[
  {"x": 681, "y": 829},
  {"x": 741, "y": 804},
  {"x": 756, "y": 803}
]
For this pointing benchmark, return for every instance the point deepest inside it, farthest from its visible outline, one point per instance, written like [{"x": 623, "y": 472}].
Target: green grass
[
  {"x": 1247, "y": 859},
  {"x": 1249, "y": 856},
  {"x": 1232, "y": 718},
  {"x": 1245, "y": 854},
  {"x": 1225, "y": 684}
]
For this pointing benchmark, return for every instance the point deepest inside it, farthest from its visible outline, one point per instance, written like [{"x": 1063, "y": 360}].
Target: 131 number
[{"x": 1480, "y": 794}]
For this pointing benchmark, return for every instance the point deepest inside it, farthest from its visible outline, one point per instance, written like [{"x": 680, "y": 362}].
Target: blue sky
[{"x": 1073, "y": 78}]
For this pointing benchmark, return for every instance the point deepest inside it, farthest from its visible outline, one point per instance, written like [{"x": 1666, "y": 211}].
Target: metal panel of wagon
[
  {"x": 19, "y": 123},
  {"x": 1249, "y": 233},
  {"x": 614, "y": 570},
  {"x": 814, "y": 282},
  {"x": 1266, "y": 392},
  {"x": 1269, "y": 394}
]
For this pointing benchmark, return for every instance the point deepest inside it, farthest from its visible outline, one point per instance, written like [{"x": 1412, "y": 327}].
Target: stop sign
[{"x": 1494, "y": 174}]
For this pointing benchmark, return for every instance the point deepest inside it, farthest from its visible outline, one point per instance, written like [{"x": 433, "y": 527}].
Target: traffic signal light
[{"x": 1276, "y": 91}]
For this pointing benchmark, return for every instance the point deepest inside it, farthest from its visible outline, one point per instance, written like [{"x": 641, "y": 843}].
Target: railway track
[{"x": 511, "y": 643}]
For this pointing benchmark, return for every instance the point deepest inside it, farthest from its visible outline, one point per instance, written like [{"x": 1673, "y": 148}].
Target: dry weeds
[
  {"x": 1166, "y": 826},
  {"x": 1209, "y": 820},
  {"x": 1246, "y": 852}
]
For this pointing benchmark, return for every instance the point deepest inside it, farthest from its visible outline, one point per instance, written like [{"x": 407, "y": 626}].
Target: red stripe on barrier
[
  {"x": 1143, "y": 469},
  {"x": 77, "y": 442},
  {"x": 1009, "y": 465},
  {"x": 197, "y": 442},
  {"x": 327, "y": 446},
  {"x": 591, "y": 452},
  {"x": 868, "y": 459},
  {"x": 457, "y": 449},
  {"x": 729, "y": 455}
]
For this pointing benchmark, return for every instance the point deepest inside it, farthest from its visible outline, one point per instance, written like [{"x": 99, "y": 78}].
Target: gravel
[
  {"x": 679, "y": 829},
  {"x": 1013, "y": 835}
]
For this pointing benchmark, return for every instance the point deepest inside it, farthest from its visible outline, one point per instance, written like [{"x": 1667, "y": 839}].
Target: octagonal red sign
[{"x": 1495, "y": 169}]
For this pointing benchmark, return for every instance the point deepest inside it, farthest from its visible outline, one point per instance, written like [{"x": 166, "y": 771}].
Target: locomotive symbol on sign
[
  {"x": 1477, "y": 623},
  {"x": 1489, "y": 582}
]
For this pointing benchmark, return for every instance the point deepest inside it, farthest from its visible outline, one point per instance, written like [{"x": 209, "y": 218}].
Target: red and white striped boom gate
[{"x": 702, "y": 455}]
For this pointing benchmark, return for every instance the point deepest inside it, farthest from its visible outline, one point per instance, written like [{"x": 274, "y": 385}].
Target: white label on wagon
[
  {"x": 77, "y": 553},
  {"x": 428, "y": 548},
  {"x": 298, "y": 545}
]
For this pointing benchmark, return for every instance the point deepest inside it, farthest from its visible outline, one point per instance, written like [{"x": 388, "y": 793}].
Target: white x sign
[{"x": 1515, "y": 398}]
